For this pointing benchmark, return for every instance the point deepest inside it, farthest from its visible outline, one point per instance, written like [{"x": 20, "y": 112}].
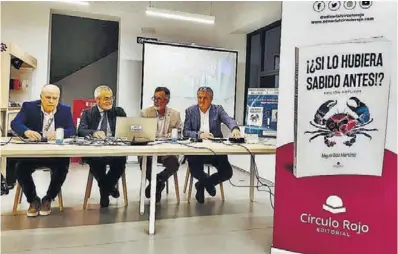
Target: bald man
[{"x": 37, "y": 121}]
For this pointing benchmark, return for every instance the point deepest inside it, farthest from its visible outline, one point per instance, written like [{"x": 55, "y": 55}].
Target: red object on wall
[
  {"x": 77, "y": 109},
  {"x": 15, "y": 84}
]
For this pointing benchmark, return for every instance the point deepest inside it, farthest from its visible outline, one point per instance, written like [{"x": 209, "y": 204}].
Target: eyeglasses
[
  {"x": 157, "y": 99},
  {"x": 112, "y": 98}
]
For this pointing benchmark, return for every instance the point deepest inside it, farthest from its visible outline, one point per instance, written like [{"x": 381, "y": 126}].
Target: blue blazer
[
  {"x": 217, "y": 115},
  {"x": 31, "y": 118}
]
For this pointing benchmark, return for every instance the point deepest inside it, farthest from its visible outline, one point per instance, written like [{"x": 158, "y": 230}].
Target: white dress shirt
[
  {"x": 160, "y": 130},
  {"x": 204, "y": 121},
  {"x": 108, "y": 127},
  {"x": 48, "y": 122}
]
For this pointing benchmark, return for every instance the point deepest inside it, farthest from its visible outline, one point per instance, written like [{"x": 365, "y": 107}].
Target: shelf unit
[{"x": 8, "y": 71}]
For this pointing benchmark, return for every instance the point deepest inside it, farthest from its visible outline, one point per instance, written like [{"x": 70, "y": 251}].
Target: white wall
[
  {"x": 33, "y": 36},
  {"x": 28, "y": 27},
  {"x": 81, "y": 84}
]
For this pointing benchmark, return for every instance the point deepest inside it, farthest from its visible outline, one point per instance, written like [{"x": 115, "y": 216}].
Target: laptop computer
[{"x": 138, "y": 130}]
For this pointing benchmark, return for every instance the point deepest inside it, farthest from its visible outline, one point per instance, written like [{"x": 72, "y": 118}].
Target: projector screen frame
[{"x": 188, "y": 46}]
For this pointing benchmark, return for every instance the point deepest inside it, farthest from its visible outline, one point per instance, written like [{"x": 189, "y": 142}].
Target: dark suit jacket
[
  {"x": 91, "y": 118},
  {"x": 31, "y": 118},
  {"x": 217, "y": 115}
]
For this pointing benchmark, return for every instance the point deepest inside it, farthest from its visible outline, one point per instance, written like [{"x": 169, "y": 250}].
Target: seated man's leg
[
  {"x": 24, "y": 169},
  {"x": 59, "y": 169},
  {"x": 195, "y": 164},
  {"x": 117, "y": 166},
  {"x": 224, "y": 170},
  {"x": 171, "y": 165},
  {"x": 98, "y": 170}
]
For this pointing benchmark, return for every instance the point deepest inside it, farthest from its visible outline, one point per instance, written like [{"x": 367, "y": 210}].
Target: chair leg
[
  {"x": 186, "y": 180},
  {"x": 20, "y": 195},
  {"x": 60, "y": 201},
  {"x": 167, "y": 186},
  {"x": 177, "y": 188},
  {"x": 190, "y": 189},
  {"x": 124, "y": 185},
  {"x": 222, "y": 191},
  {"x": 88, "y": 190},
  {"x": 18, "y": 191}
]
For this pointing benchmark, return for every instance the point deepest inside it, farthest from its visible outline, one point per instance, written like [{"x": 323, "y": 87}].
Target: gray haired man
[
  {"x": 204, "y": 121},
  {"x": 100, "y": 122}
]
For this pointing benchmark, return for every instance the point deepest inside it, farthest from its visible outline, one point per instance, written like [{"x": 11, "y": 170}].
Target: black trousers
[
  {"x": 170, "y": 162},
  {"x": 220, "y": 162},
  {"x": 11, "y": 173},
  {"x": 107, "y": 181},
  {"x": 26, "y": 166}
]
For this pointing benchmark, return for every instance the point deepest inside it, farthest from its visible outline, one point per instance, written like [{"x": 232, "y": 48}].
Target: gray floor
[{"x": 233, "y": 226}]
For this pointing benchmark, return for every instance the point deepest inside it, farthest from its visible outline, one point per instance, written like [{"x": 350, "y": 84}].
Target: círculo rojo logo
[{"x": 343, "y": 228}]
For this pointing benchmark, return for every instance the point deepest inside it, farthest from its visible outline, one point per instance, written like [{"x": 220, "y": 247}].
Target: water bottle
[
  {"x": 174, "y": 134},
  {"x": 59, "y": 136}
]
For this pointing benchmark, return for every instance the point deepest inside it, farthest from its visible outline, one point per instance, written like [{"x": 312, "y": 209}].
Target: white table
[{"x": 52, "y": 150}]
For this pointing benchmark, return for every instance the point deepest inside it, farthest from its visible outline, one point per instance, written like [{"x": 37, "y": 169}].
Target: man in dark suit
[
  {"x": 100, "y": 122},
  {"x": 204, "y": 121},
  {"x": 36, "y": 120}
]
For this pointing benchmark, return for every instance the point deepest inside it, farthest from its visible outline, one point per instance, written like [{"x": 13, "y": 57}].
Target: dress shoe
[
  {"x": 115, "y": 193},
  {"x": 34, "y": 208},
  {"x": 45, "y": 208},
  {"x": 211, "y": 189},
  {"x": 200, "y": 193}
]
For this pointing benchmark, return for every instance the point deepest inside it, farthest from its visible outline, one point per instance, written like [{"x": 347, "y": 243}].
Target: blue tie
[{"x": 104, "y": 123}]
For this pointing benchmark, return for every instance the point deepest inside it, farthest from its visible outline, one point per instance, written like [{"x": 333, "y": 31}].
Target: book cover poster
[
  {"x": 341, "y": 105},
  {"x": 262, "y": 111}
]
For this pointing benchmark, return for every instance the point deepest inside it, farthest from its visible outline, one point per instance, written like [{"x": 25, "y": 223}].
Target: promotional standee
[
  {"x": 262, "y": 111},
  {"x": 336, "y": 158}
]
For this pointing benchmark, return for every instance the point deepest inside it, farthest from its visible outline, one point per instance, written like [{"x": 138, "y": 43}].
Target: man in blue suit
[
  {"x": 204, "y": 121},
  {"x": 37, "y": 120}
]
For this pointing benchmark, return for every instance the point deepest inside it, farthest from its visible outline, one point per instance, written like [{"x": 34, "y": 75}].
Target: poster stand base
[{"x": 280, "y": 251}]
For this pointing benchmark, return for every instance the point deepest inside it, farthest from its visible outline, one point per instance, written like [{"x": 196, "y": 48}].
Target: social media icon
[
  {"x": 334, "y": 5},
  {"x": 319, "y": 6},
  {"x": 349, "y": 5},
  {"x": 365, "y": 4}
]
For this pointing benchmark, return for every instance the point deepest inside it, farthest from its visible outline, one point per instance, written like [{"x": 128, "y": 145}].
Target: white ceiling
[{"x": 231, "y": 17}]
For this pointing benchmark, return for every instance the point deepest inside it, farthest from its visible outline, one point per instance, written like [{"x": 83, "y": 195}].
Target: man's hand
[
  {"x": 99, "y": 134},
  {"x": 236, "y": 133},
  {"x": 32, "y": 135},
  {"x": 205, "y": 135}
]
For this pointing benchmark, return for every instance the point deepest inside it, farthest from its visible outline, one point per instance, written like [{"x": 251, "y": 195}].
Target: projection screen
[{"x": 183, "y": 69}]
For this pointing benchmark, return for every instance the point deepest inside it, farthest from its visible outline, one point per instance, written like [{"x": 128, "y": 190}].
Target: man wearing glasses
[
  {"x": 204, "y": 121},
  {"x": 100, "y": 122},
  {"x": 167, "y": 119},
  {"x": 37, "y": 120}
]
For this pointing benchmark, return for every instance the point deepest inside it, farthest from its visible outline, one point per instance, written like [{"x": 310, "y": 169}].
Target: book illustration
[
  {"x": 262, "y": 108},
  {"x": 341, "y": 124}
]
